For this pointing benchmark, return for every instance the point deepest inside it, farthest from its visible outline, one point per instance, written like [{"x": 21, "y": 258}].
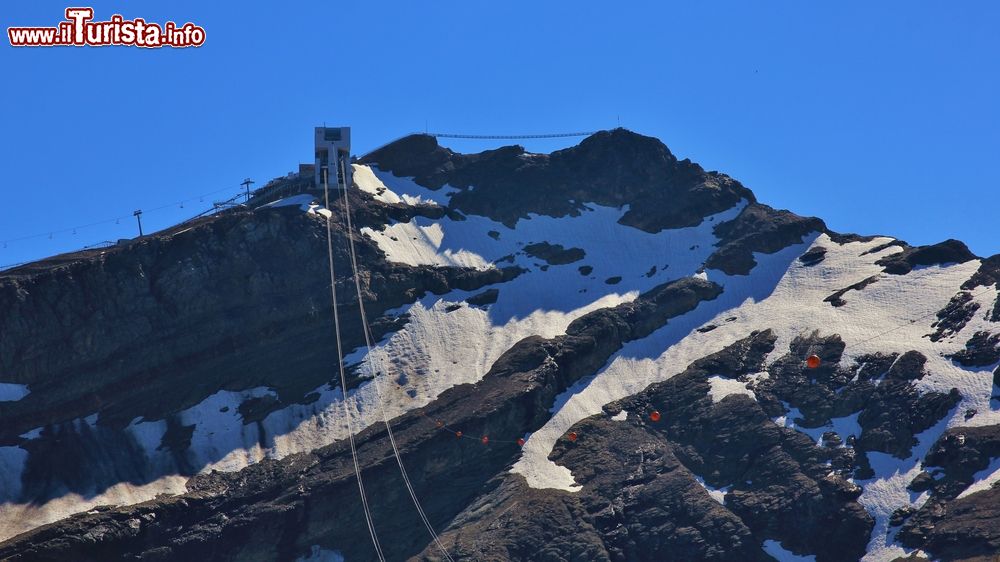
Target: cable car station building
[{"x": 333, "y": 153}]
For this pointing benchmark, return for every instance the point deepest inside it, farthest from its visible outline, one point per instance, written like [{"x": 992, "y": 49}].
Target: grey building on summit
[{"x": 333, "y": 153}]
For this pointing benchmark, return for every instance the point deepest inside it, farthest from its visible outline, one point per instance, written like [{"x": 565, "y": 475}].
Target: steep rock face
[
  {"x": 648, "y": 486},
  {"x": 951, "y": 524},
  {"x": 201, "y": 310},
  {"x": 147, "y": 331},
  {"x": 276, "y": 509}
]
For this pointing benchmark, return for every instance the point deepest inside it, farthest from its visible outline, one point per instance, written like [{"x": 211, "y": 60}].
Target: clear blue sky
[{"x": 880, "y": 117}]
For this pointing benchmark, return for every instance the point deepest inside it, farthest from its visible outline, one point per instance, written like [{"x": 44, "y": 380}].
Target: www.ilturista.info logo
[{"x": 80, "y": 30}]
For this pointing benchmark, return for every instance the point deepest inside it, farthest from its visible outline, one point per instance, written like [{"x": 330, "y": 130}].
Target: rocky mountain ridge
[{"x": 512, "y": 295}]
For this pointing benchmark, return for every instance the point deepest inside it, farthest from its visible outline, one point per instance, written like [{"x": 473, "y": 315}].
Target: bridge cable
[
  {"x": 510, "y": 137},
  {"x": 481, "y": 137}
]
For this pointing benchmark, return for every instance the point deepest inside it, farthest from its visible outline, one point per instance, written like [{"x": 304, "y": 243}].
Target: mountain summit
[
  {"x": 610, "y": 168},
  {"x": 602, "y": 353}
]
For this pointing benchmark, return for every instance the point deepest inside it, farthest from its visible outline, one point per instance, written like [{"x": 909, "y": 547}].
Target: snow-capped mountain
[{"x": 595, "y": 354}]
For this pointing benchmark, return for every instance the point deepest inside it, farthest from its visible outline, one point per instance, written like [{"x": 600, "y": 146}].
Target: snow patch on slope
[
  {"x": 844, "y": 427},
  {"x": 717, "y": 494},
  {"x": 887, "y": 492},
  {"x": 422, "y": 244},
  {"x": 790, "y": 419},
  {"x": 220, "y": 441},
  {"x": 722, "y": 387},
  {"x": 400, "y": 189},
  {"x": 16, "y": 518},
  {"x": 779, "y": 553},
  {"x": 11, "y": 392},
  {"x": 407, "y": 192},
  {"x": 303, "y": 201},
  {"x": 366, "y": 181}
]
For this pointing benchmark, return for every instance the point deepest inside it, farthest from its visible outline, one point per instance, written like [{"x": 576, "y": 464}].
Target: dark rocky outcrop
[
  {"x": 954, "y": 316},
  {"x": 758, "y": 228},
  {"x": 554, "y": 254},
  {"x": 949, "y": 251},
  {"x": 879, "y": 388},
  {"x": 638, "y": 502},
  {"x": 886, "y": 246},
  {"x": 813, "y": 257},
  {"x": 896, "y": 411},
  {"x": 611, "y": 168},
  {"x": 960, "y": 453},
  {"x": 488, "y": 296},
  {"x": 964, "y": 529},
  {"x": 982, "y": 349},
  {"x": 951, "y": 528},
  {"x": 837, "y": 299},
  {"x": 921, "y": 483}
]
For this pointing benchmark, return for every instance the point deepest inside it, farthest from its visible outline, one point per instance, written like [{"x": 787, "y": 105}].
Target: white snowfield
[{"x": 442, "y": 346}]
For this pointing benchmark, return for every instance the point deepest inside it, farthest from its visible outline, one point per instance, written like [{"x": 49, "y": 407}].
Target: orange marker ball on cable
[
  {"x": 813, "y": 361},
  {"x": 520, "y": 442},
  {"x": 440, "y": 424},
  {"x": 458, "y": 434},
  {"x": 655, "y": 416},
  {"x": 572, "y": 436},
  {"x": 485, "y": 440}
]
